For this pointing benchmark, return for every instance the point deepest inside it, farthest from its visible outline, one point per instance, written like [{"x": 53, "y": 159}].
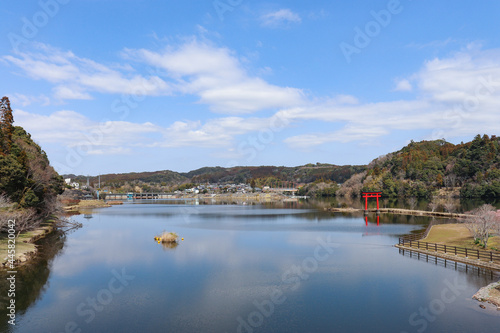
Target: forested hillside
[
  {"x": 258, "y": 175},
  {"x": 28, "y": 184},
  {"x": 273, "y": 175},
  {"x": 422, "y": 168},
  {"x": 116, "y": 180}
]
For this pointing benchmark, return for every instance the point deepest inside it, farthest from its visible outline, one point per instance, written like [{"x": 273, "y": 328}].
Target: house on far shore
[{"x": 72, "y": 184}]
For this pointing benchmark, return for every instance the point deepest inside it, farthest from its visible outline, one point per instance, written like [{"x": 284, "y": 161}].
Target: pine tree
[{"x": 6, "y": 121}]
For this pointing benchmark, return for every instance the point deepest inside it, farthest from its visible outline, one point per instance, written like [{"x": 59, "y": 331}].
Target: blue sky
[{"x": 108, "y": 86}]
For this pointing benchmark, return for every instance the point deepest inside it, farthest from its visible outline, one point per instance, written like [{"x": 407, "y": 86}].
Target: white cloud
[
  {"x": 280, "y": 17},
  {"x": 347, "y": 134},
  {"x": 75, "y": 77},
  {"x": 25, "y": 100},
  {"x": 433, "y": 44},
  {"x": 214, "y": 74},
  {"x": 403, "y": 85},
  {"x": 456, "y": 96},
  {"x": 217, "y": 76},
  {"x": 65, "y": 92},
  {"x": 219, "y": 132},
  {"x": 75, "y": 130}
]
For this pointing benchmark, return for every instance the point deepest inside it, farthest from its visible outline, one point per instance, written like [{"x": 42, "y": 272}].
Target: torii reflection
[{"x": 378, "y": 220}]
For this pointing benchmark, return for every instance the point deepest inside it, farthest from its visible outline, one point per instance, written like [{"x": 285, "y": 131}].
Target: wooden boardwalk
[
  {"x": 474, "y": 257},
  {"x": 400, "y": 211},
  {"x": 452, "y": 257}
]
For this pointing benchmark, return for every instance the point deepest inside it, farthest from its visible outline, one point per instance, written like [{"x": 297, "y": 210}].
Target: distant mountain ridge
[
  {"x": 241, "y": 174},
  {"x": 420, "y": 169}
]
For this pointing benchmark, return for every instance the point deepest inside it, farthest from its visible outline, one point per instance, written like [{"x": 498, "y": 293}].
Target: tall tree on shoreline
[
  {"x": 6, "y": 125},
  {"x": 28, "y": 184}
]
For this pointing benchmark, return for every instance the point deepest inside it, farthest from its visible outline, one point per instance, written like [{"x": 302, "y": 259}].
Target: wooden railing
[
  {"x": 414, "y": 237},
  {"x": 420, "y": 235},
  {"x": 463, "y": 252}
]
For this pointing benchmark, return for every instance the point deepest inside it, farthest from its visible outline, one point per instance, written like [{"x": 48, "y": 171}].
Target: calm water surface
[{"x": 245, "y": 269}]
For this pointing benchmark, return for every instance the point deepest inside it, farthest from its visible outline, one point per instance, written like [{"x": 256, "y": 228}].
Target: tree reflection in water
[{"x": 31, "y": 277}]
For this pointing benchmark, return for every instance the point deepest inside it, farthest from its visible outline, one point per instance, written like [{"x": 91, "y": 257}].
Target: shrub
[{"x": 167, "y": 237}]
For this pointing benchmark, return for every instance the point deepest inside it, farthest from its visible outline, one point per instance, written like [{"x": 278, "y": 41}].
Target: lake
[{"x": 244, "y": 268}]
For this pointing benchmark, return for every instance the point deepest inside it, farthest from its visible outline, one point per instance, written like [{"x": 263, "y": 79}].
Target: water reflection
[
  {"x": 461, "y": 205},
  {"x": 487, "y": 274},
  {"x": 233, "y": 260},
  {"x": 31, "y": 279}
]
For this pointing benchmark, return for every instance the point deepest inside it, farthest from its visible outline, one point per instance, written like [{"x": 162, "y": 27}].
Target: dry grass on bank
[
  {"x": 457, "y": 234},
  {"x": 25, "y": 246},
  {"x": 167, "y": 237},
  {"x": 82, "y": 204}
]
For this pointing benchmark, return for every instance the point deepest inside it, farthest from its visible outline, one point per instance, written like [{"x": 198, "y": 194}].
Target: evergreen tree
[{"x": 7, "y": 128}]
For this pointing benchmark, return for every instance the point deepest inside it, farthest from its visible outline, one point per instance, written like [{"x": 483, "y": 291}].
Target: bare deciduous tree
[
  {"x": 412, "y": 202},
  {"x": 4, "y": 201},
  {"x": 24, "y": 219},
  {"x": 352, "y": 187},
  {"x": 450, "y": 207},
  {"x": 433, "y": 205},
  {"x": 450, "y": 180},
  {"x": 483, "y": 222}
]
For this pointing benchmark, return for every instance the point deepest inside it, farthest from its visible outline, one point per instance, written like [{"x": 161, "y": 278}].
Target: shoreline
[
  {"x": 26, "y": 249},
  {"x": 399, "y": 211},
  {"x": 221, "y": 197},
  {"x": 25, "y": 246},
  {"x": 489, "y": 294},
  {"x": 86, "y": 204}
]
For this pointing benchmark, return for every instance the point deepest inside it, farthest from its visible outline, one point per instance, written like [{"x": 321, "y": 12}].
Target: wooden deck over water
[{"x": 400, "y": 211}]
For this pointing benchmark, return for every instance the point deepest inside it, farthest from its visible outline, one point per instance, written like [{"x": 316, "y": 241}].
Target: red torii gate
[{"x": 367, "y": 195}]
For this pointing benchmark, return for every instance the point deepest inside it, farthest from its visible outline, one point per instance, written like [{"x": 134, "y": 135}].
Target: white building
[{"x": 72, "y": 184}]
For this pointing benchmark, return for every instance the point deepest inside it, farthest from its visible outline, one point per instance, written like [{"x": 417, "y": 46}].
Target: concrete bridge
[
  {"x": 286, "y": 189},
  {"x": 139, "y": 196}
]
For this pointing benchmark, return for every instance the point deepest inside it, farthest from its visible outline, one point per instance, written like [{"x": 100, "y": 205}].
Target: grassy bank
[
  {"x": 86, "y": 204},
  {"x": 457, "y": 234},
  {"x": 25, "y": 243}
]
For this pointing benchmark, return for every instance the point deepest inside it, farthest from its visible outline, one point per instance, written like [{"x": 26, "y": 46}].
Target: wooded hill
[
  {"x": 28, "y": 184},
  {"x": 260, "y": 175},
  {"x": 422, "y": 168}
]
